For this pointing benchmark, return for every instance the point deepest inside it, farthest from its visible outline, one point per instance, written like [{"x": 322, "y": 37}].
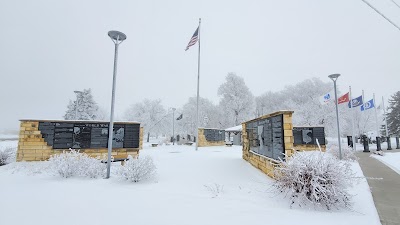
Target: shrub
[
  {"x": 347, "y": 152},
  {"x": 315, "y": 178},
  {"x": 138, "y": 169},
  {"x": 7, "y": 155},
  {"x": 73, "y": 163}
]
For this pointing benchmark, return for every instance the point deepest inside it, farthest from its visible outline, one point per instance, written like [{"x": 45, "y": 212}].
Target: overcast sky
[{"x": 48, "y": 49}]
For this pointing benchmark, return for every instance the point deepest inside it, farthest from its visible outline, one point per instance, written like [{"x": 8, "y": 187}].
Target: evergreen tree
[
  {"x": 393, "y": 114},
  {"x": 83, "y": 108}
]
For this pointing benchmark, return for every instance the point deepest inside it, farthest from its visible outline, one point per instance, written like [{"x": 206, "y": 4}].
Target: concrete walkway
[{"x": 385, "y": 191}]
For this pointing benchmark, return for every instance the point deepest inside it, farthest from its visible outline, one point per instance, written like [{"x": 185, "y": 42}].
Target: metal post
[
  {"x": 117, "y": 38},
  {"x": 378, "y": 140},
  {"x": 337, "y": 120},
  {"x": 334, "y": 77},
  {"x": 173, "y": 126},
  {"x": 352, "y": 122},
  {"x": 386, "y": 126},
  {"x": 198, "y": 91}
]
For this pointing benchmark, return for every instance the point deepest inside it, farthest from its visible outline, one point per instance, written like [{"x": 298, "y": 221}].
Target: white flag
[{"x": 324, "y": 99}]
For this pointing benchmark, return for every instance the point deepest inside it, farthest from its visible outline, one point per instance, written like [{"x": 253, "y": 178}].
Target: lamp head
[
  {"x": 334, "y": 76},
  {"x": 116, "y": 35}
]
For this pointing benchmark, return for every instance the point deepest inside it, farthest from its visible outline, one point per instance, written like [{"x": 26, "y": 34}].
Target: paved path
[{"x": 385, "y": 191}]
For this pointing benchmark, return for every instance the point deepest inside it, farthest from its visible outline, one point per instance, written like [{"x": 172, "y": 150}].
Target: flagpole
[
  {"x": 376, "y": 121},
  {"x": 198, "y": 83},
  {"x": 353, "y": 139},
  {"x": 384, "y": 114}
]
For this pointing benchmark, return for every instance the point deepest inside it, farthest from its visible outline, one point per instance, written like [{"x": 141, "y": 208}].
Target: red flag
[{"x": 344, "y": 98}]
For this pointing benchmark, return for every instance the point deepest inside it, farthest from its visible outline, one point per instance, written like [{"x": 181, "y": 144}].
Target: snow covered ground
[
  {"x": 183, "y": 192},
  {"x": 12, "y": 144},
  {"x": 391, "y": 159},
  {"x": 8, "y": 137}
]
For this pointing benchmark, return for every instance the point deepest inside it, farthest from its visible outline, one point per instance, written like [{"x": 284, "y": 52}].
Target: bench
[
  {"x": 122, "y": 160},
  {"x": 229, "y": 144},
  {"x": 154, "y": 145}
]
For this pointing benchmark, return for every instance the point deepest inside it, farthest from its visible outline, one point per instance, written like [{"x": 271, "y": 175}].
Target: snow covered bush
[
  {"x": 73, "y": 163},
  {"x": 138, "y": 169},
  {"x": 315, "y": 178},
  {"x": 347, "y": 152},
  {"x": 7, "y": 155}
]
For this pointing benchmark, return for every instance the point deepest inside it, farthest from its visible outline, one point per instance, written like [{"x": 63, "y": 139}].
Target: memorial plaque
[
  {"x": 266, "y": 137},
  {"x": 99, "y": 137},
  {"x": 131, "y": 139},
  {"x": 64, "y": 135},
  {"x": 47, "y": 131},
  {"x": 118, "y": 136},
  {"x": 214, "y": 135},
  {"x": 308, "y": 135},
  {"x": 81, "y": 136}
]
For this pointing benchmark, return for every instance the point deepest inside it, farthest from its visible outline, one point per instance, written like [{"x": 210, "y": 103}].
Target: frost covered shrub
[
  {"x": 347, "y": 152},
  {"x": 7, "y": 155},
  {"x": 138, "y": 169},
  {"x": 315, "y": 178},
  {"x": 73, "y": 163}
]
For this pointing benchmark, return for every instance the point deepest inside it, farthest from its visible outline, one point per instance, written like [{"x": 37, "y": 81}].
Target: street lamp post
[
  {"x": 334, "y": 77},
  {"x": 76, "y": 103},
  {"x": 117, "y": 37},
  {"x": 173, "y": 126}
]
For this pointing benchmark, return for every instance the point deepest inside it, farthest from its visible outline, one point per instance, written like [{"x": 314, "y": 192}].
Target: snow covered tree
[
  {"x": 393, "y": 114},
  {"x": 237, "y": 101},
  {"x": 102, "y": 114},
  {"x": 151, "y": 114},
  {"x": 209, "y": 116},
  {"x": 83, "y": 108},
  {"x": 303, "y": 99}
]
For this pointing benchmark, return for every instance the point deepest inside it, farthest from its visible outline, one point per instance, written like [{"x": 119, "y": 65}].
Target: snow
[
  {"x": 8, "y": 137},
  {"x": 390, "y": 159},
  {"x": 183, "y": 192},
  {"x": 236, "y": 128},
  {"x": 5, "y": 144}
]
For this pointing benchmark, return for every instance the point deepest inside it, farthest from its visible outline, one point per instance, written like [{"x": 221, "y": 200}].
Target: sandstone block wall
[
  {"x": 203, "y": 141},
  {"x": 266, "y": 164},
  {"x": 32, "y": 146}
]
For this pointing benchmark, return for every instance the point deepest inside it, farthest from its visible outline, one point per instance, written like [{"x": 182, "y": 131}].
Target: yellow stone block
[
  {"x": 287, "y": 119},
  {"x": 288, "y": 145},
  {"x": 30, "y": 128},
  {"x": 288, "y": 133},
  {"x": 287, "y": 126}
]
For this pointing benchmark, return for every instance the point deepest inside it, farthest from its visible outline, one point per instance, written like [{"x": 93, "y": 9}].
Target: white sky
[{"x": 48, "y": 49}]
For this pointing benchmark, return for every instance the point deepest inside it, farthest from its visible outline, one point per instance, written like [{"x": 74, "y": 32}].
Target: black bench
[{"x": 122, "y": 160}]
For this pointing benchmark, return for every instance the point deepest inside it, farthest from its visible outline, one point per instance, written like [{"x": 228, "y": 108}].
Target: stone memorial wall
[{"x": 38, "y": 139}]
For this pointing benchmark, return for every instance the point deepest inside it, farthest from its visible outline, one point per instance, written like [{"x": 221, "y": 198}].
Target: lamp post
[
  {"x": 173, "y": 126},
  {"x": 334, "y": 77},
  {"x": 117, "y": 37},
  {"x": 76, "y": 103}
]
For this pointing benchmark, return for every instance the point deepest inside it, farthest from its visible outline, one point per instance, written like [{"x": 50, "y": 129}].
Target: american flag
[{"x": 193, "y": 40}]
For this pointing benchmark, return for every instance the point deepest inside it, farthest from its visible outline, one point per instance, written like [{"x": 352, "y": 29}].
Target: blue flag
[
  {"x": 356, "y": 101},
  {"x": 368, "y": 105}
]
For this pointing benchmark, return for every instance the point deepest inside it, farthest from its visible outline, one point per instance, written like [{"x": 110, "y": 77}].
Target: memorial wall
[{"x": 38, "y": 139}]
